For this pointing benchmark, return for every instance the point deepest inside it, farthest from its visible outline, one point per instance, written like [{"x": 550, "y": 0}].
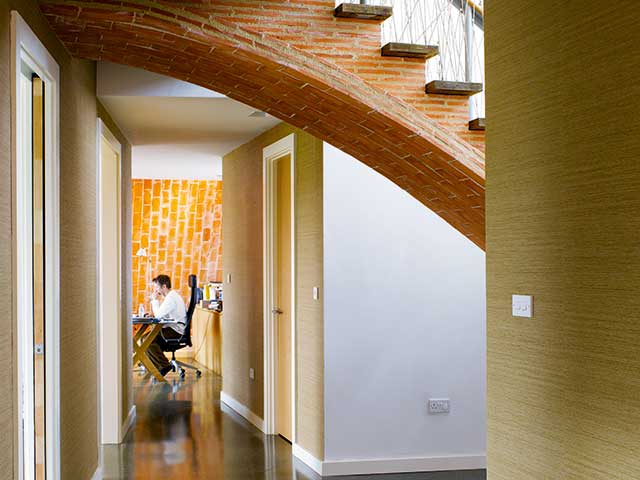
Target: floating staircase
[
  {"x": 409, "y": 50},
  {"x": 358, "y": 11},
  {"x": 378, "y": 13},
  {"x": 443, "y": 87},
  {"x": 477, "y": 124}
]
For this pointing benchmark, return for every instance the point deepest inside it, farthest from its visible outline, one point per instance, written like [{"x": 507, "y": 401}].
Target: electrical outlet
[
  {"x": 316, "y": 293},
  {"x": 439, "y": 405},
  {"x": 228, "y": 278},
  {"x": 252, "y": 374}
]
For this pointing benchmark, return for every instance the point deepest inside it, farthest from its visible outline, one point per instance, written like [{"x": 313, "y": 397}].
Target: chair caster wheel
[{"x": 198, "y": 373}]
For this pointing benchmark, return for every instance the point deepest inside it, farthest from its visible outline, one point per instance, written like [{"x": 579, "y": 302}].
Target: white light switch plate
[
  {"x": 316, "y": 293},
  {"x": 228, "y": 278},
  {"x": 252, "y": 374},
  {"x": 522, "y": 306}
]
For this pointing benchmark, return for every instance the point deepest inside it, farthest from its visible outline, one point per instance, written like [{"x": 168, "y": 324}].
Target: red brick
[{"x": 296, "y": 61}]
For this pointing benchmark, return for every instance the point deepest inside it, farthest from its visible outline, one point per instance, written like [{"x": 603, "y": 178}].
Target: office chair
[{"x": 174, "y": 344}]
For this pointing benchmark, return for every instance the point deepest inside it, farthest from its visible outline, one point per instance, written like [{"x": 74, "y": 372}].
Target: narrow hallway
[{"x": 183, "y": 431}]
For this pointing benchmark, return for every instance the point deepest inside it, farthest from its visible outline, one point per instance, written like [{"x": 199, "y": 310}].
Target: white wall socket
[
  {"x": 439, "y": 405},
  {"x": 316, "y": 293},
  {"x": 228, "y": 278},
  {"x": 252, "y": 374},
  {"x": 522, "y": 306}
]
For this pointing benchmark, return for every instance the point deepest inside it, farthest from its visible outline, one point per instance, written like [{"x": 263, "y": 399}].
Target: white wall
[
  {"x": 404, "y": 322},
  {"x": 176, "y": 161}
]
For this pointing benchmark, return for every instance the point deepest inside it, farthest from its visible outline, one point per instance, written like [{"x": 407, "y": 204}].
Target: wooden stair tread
[
  {"x": 445, "y": 87},
  {"x": 363, "y": 12},
  {"x": 478, "y": 124},
  {"x": 409, "y": 50}
]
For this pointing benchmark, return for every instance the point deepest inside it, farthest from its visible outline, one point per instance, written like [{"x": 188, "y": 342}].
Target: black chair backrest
[{"x": 193, "y": 300}]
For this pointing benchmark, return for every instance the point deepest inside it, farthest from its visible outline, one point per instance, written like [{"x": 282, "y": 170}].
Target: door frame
[
  {"x": 110, "y": 424},
  {"x": 28, "y": 51},
  {"x": 271, "y": 153}
]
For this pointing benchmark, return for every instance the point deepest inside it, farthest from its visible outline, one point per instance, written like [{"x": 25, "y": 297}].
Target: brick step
[
  {"x": 445, "y": 87},
  {"x": 477, "y": 124},
  {"x": 378, "y": 13},
  {"x": 409, "y": 50}
]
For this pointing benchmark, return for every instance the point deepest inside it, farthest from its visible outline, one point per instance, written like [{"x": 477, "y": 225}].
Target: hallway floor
[{"x": 184, "y": 432}]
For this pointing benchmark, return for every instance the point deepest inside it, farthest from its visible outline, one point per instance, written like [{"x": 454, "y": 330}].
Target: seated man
[{"x": 166, "y": 304}]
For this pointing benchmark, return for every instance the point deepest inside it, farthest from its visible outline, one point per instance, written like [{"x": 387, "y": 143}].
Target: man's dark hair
[{"x": 163, "y": 280}]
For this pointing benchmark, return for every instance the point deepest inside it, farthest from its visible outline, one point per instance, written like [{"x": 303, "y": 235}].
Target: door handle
[{"x": 277, "y": 311}]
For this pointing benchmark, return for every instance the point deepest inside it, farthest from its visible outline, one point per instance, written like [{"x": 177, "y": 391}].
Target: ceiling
[
  {"x": 170, "y": 122},
  {"x": 220, "y": 122}
]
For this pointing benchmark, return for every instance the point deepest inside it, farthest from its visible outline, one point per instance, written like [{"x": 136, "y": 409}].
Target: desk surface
[
  {"x": 151, "y": 321},
  {"x": 144, "y": 320}
]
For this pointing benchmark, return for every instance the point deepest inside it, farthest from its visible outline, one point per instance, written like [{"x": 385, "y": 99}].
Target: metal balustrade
[{"x": 455, "y": 26}]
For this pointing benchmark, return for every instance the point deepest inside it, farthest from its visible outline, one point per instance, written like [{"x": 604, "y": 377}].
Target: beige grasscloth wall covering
[
  {"x": 78, "y": 110},
  {"x": 563, "y": 223},
  {"x": 242, "y": 258}
]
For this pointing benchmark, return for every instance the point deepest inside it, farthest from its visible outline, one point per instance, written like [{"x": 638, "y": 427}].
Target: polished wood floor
[{"x": 184, "y": 432}]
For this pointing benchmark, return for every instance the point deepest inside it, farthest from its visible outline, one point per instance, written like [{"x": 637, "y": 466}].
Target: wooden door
[
  {"x": 38, "y": 278},
  {"x": 109, "y": 298},
  {"x": 283, "y": 277}
]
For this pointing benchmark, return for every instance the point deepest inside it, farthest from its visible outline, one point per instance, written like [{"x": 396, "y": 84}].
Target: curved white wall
[{"x": 404, "y": 322}]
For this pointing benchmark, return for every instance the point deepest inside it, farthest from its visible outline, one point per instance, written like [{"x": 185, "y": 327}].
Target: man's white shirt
[{"x": 171, "y": 308}]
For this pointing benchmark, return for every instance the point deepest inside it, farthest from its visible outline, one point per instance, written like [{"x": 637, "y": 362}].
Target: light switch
[
  {"x": 228, "y": 278},
  {"x": 522, "y": 306},
  {"x": 316, "y": 293}
]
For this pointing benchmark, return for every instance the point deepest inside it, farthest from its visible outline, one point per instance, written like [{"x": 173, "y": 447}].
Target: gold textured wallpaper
[
  {"x": 78, "y": 114},
  {"x": 563, "y": 223},
  {"x": 242, "y": 340}
]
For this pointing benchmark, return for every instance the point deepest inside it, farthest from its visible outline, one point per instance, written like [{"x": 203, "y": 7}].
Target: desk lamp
[{"x": 142, "y": 253}]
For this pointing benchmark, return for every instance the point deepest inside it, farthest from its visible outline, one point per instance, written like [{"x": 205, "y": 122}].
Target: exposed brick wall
[
  {"x": 354, "y": 45},
  {"x": 297, "y": 62},
  {"x": 179, "y": 222}
]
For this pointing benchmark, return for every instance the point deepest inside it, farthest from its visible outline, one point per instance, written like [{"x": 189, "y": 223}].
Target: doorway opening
[
  {"x": 35, "y": 80},
  {"x": 279, "y": 289},
  {"x": 112, "y": 428}
]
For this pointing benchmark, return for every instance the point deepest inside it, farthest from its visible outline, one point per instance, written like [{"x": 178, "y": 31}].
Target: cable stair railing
[{"x": 448, "y": 34}]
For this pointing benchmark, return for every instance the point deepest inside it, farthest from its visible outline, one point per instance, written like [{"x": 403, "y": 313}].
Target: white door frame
[
  {"x": 110, "y": 425},
  {"x": 285, "y": 146},
  {"x": 27, "y": 52}
]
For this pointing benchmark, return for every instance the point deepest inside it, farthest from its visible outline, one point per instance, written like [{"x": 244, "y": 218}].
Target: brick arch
[{"x": 442, "y": 171}]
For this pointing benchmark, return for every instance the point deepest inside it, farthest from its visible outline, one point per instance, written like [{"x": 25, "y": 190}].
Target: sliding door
[{"x": 39, "y": 367}]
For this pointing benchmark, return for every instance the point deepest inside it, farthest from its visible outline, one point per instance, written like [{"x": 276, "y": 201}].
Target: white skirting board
[
  {"x": 308, "y": 459},
  {"x": 242, "y": 410},
  {"x": 129, "y": 421},
  {"x": 388, "y": 465},
  {"x": 97, "y": 475},
  {"x": 403, "y": 465}
]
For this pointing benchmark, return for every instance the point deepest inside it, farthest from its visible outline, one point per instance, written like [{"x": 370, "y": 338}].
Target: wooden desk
[
  {"x": 141, "y": 346},
  {"x": 206, "y": 338}
]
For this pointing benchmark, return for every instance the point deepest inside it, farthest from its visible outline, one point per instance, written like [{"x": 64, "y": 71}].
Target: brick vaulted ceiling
[{"x": 296, "y": 61}]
